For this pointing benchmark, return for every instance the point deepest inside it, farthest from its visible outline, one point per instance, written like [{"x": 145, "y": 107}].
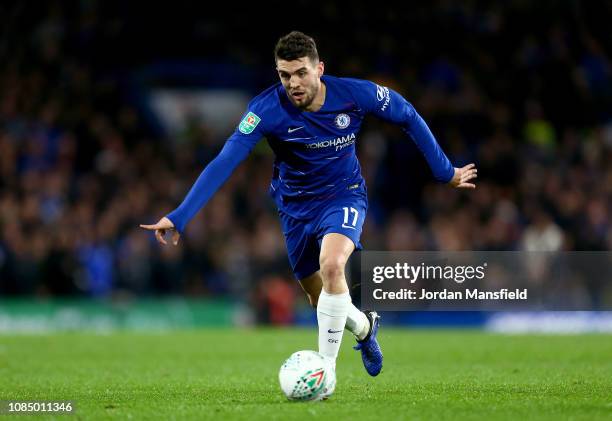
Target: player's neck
[{"x": 319, "y": 99}]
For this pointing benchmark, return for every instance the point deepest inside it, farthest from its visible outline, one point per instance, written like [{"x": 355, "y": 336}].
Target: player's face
[{"x": 301, "y": 79}]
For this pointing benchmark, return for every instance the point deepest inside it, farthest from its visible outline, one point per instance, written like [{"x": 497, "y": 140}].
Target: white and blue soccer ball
[{"x": 307, "y": 376}]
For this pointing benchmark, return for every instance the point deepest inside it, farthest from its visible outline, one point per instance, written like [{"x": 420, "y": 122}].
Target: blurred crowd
[{"x": 523, "y": 89}]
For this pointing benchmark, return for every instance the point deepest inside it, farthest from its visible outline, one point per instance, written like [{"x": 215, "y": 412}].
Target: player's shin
[{"x": 332, "y": 311}]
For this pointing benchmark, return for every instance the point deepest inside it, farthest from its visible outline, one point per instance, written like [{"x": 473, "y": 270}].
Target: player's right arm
[{"x": 235, "y": 150}]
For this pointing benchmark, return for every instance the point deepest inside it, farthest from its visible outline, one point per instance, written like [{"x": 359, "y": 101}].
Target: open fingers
[
  {"x": 466, "y": 186},
  {"x": 469, "y": 173},
  {"x": 468, "y": 176},
  {"x": 466, "y": 170},
  {"x": 159, "y": 235},
  {"x": 149, "y": 227}
]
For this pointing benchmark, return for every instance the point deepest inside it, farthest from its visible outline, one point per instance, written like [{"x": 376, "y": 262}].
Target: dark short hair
[{"x": 295, "y": 45}]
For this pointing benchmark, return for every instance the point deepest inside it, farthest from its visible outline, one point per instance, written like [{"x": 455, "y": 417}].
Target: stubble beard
[{"x": 309, "y": 97}]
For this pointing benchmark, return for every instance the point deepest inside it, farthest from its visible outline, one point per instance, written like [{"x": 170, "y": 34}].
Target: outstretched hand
[
  {"x": 463, "y": 175},
  {"x": 160, "y": 229}
]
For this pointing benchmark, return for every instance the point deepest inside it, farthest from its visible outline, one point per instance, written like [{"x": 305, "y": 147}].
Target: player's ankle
[
  {"x": 360, "y": 336},
  {"x": 331, "y": 361}
]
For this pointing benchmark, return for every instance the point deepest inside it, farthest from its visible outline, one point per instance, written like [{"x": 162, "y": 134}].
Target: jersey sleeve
[
  {"x": 251, "y": 128},
  {"x": 237, "y": 147},
  {"x": 390, "y": 106}
]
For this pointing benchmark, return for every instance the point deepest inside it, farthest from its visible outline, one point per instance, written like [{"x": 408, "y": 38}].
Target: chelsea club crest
[{"x": 342, "y": 121}]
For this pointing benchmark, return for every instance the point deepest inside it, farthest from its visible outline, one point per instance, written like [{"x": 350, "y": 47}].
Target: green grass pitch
[{"x": 232, "y": 374}]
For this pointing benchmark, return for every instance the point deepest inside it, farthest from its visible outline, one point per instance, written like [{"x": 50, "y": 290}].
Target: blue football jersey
[
  {"x": 315, "y": 151},
  {"x": 315, "y": 158}
]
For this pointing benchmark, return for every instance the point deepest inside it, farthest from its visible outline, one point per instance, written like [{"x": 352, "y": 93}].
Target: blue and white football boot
[{"x": 371, "y": 355}]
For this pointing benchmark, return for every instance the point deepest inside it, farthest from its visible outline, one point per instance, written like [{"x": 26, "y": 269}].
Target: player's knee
[{"x": 332, "y": 269}]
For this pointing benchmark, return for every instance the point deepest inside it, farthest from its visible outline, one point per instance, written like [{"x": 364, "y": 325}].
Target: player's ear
[{"x": 320, "y": 68}]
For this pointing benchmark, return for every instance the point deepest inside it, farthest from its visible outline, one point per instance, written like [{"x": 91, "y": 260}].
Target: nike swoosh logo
[
  {"x": 290, "y": 130},
  {"x": 347, "y": 226},
  {"x": 333, "y": 331}
]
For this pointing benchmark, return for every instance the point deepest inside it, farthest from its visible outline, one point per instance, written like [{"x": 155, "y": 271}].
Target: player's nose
[{"x": 294, "y": 82}]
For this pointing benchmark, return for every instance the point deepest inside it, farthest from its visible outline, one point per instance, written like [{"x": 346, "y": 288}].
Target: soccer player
[{"x": 312, "y": 121}]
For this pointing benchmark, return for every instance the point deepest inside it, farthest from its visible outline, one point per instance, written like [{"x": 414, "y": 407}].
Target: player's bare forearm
[{"x": 462, "y": 177}]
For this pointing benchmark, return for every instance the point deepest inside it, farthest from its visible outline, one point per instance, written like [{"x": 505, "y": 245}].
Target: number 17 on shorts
[
  {"x": 345, "y": 218},
  {"x": 351, "y": 216}
]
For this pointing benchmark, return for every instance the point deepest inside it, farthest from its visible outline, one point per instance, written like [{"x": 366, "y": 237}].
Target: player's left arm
[{"x": 390, "y": 106}]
